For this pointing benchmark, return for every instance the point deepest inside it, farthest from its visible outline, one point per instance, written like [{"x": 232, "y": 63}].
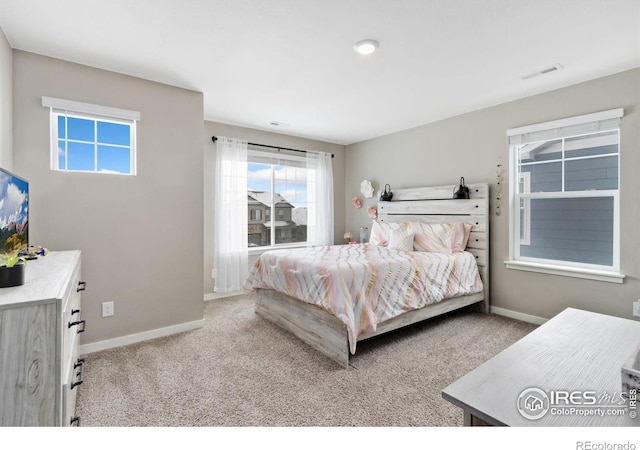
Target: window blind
[
  {"x": 574, "y": 126},
  {"x": 260, "y": 157}
]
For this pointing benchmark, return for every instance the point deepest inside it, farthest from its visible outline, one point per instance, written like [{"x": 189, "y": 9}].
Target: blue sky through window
[
  {"x": 93, "y": 145},
  {"x": 290, "y": 182}
]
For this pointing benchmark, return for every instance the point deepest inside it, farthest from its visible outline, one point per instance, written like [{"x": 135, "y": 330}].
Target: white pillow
[
  {"x": 381, "y": 232},
  {"x": 401, "y": 239}
]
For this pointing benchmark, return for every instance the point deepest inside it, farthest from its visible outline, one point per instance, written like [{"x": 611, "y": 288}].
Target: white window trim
[
  {"x": 96, "y": 112},
  {"x": 526, "y": 239},
  {"x": 576, "y": 270},
  {"x": 87, "y": 108},
  {"x": 260, "y": 250}
]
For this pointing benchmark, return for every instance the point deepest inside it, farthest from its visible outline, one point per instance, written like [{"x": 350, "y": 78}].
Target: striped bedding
[{"x": 365, "y": 284}]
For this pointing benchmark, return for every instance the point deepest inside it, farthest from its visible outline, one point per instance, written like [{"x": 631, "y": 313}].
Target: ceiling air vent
[
  {"x": 542, "y": 72},
  {"x": 278, "y": 124}
]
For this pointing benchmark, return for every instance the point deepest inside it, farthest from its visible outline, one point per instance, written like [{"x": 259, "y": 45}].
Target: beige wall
[
  {"x": 470, "y": 145},
  {"x": 141, "y": 237},
  {"x": 6, "y": 85},
  {"x": 267, "y": 138}
]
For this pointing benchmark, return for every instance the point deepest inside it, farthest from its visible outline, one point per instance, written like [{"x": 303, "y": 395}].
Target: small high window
[{"x": 92, "y": 138}]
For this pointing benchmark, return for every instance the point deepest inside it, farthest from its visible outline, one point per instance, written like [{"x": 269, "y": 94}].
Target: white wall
[
  {"x": 470, "y": 145},
  {"x": 6, "y": 95},
  {"x": 141, "y": 237}
]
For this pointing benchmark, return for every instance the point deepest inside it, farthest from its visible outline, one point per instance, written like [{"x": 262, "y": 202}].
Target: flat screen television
[{"x": 14, "y": 212}]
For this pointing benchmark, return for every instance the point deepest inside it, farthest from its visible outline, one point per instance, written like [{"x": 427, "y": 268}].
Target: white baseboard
[
  {"x": 518, "y": 315},
  {"x": 217, "y": 295},
  {"x": 139, "y": 337}
]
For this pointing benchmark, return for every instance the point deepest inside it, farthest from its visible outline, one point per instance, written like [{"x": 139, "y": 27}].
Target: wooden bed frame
[{"x": 328, "y": 334}]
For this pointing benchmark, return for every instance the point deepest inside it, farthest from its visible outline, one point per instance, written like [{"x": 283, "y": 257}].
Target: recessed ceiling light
[{"x": 366, "y": 47}]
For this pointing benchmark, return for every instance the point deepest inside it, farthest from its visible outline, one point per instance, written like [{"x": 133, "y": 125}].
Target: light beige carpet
[{"x": 240, "y": 370}]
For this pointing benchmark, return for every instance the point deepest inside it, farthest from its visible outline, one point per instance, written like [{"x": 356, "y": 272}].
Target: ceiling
[{"x": 292, "y": 61}]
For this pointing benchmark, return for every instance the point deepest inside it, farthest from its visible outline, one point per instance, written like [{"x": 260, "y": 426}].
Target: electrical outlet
[
  {"x": 636, "y": 308},
  {"x": 107, "y": 309}
]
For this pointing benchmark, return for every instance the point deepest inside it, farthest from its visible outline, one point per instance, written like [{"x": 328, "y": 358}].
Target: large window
[
  {"x": 565, "y": 196},
  {"x": 277, "y": 186},
  {"x": 92, "y": 138}
]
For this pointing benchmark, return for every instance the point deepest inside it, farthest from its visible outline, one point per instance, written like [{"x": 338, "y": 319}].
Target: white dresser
[{"x": 40, "y": 323}]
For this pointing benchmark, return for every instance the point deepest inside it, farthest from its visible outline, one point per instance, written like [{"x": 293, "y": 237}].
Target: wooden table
[{"x": 574, "y": 360}]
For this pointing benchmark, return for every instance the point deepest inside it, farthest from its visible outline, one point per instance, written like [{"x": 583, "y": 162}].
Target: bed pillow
[
  {"x": 460, "y": 236},
  {"x": 401, "y": 239},
  {"x": 431, "y": 237},
  {"x": 440, "y": 237},
  {"x": 381, "y": 232}
]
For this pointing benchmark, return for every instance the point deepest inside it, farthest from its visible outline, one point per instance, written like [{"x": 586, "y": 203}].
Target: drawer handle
[
  {"x": 78, "y": 322},
  {"x": 75, "y": 421},
  {"x": 74, "y": 311},
  {"x": 82, "y": 285},
  {"x": 79, "y": 374}
]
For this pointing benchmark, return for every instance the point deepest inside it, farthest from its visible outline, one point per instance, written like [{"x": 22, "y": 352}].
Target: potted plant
[{"x": 12, "y": 267}]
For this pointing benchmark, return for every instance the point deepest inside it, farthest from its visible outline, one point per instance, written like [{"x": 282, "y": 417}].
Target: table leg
[{"x": 472, "y": 421}]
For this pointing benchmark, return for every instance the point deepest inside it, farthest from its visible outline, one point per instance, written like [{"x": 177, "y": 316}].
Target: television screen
[{"x": 14, "y": 212}]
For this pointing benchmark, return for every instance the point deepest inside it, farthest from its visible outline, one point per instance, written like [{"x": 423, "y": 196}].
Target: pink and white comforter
[{"x": 364, "y": 285}]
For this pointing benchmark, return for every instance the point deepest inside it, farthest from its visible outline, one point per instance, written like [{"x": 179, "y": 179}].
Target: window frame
[
  {"x": 273, "y": 159},
  {"x": 516, "y": 239},
  {"x": 525, "y": 238},
  {"x": 96, "y": 114},
  {"x": 256, "y": 215}
]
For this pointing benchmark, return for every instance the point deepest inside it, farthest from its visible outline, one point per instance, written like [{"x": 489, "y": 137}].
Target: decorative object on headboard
[
  {"x": 499, "y": 178},
  {"x": 347, "y": 237},
  {"x": 462, "y": 192},
  {"x": 355, "y": 201},
  {"x": 366, "y": 188},
  {"x": 372, "y": 212},
  {"x": 386, "y": 195}
]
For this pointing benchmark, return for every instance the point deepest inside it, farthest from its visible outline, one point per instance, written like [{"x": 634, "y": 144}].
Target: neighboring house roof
[{"x": 265, "y": 198}]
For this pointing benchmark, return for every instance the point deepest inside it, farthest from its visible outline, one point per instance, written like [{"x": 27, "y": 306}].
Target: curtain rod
[{"x": 215, "y": 138}]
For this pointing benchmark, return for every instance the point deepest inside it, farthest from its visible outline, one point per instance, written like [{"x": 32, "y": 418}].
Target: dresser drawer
[
  {"x": 72, "y": 325},
  {"x": 73, "y": 381},
  {"x": 72, "y": 367}
]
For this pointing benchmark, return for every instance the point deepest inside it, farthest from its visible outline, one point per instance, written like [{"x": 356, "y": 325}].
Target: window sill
[
  {"x": 598, "y": 275},
  {"x": 261, "y": 250}
]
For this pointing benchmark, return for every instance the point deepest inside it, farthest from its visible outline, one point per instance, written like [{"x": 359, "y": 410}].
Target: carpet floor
[{"x": 240, "y": 370}]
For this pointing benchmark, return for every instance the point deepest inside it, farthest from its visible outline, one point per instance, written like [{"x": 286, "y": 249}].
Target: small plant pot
[{"x": 12, "y": 276}]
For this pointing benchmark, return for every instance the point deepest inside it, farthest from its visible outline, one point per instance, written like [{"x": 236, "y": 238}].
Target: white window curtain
[
  {"x": 231, "y": 217},
  {"x": 319, "y": 198}
]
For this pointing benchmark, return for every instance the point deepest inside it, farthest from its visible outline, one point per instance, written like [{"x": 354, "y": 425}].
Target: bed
[{"x": 314, "y": 308}]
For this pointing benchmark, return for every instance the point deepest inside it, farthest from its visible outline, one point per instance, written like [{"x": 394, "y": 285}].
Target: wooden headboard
[{"x": 435, "y": 204}]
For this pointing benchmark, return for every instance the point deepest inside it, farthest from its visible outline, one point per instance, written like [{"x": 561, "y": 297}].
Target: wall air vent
[{"x": 542, "y": 72}]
